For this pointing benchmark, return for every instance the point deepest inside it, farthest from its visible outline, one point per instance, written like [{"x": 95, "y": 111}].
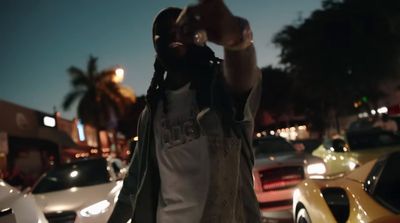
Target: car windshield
[
  {"x": 79, "y": 174},
  {"x": 272, "y": 145},
  {"x": 387, "y": 186},
  {"x": 372, "y": 139}
]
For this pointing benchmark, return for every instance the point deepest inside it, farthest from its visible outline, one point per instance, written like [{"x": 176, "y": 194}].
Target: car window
[
  {"x": 387, "y": 187},
  {"x": 374, "y": 139},
  {"x": 271, "y": 145},
  {"x": 79, "y": 174}
]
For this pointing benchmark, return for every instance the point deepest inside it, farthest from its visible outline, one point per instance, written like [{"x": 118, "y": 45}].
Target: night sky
[{"x": 40, "y": 39}]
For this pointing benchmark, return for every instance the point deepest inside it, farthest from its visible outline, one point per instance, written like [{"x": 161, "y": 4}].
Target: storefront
[{"x": 30, "y": 143}]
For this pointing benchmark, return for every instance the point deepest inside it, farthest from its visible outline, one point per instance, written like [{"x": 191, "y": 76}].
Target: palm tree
[{"x": 102, "y": 101}]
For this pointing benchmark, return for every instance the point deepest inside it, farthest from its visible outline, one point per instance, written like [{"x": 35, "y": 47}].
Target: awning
[{"x": 59, "y": 137}]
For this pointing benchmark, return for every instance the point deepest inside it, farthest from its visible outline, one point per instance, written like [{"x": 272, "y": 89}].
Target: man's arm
[
  {"x": 123, "y": 211},
  {"x": 241, "y": 71},
  {"x": 232, "y": 33}
]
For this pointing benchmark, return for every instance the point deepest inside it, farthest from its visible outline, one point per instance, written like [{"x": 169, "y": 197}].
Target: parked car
[
  {"x": 278, "y": 169},
  {"x": 18, "y": 207},
  {"x": 342, "y": 155},
  {"x": 83, "y": 191},
  {"x": 368, "y": 194}
]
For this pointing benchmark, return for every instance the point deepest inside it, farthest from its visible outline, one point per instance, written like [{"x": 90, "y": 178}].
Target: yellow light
[
  {"x": 119, "y": 75},
  {"x": 302, "y": 127}
]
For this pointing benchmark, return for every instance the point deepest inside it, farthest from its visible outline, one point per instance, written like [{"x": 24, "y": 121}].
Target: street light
[{"x": 119, "y": 75}]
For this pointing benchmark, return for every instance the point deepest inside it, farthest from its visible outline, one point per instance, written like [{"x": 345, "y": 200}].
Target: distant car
[
  {"x": 368, "y": 194},
  {"x": 278, "y": 169},
  {"x": 307, "y": 145},
  {"x": 83, "y": 191},
  {"x": 342, "y": 155},
  {"x": 17, "y": 207}
]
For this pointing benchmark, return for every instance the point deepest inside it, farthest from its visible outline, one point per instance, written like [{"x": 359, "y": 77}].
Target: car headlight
[
  {"x": 95, "y": 209},
  {"x": 352, "y": 165},
  {"x": 316, "y": 168}
]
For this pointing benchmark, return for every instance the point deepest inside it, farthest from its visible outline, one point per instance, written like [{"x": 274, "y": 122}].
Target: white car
[
  {"x": 84, "y": 191},
  {"x": 17, "y": 207},
  {"x": 277, "y": 170}
]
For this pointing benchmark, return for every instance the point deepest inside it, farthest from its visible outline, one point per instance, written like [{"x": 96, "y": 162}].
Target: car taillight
[
  {"x": 282, "y": 184},
  {"x": 281, "y": 178}
]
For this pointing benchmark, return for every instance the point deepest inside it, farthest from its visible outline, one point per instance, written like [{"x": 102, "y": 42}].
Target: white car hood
[
  {"x": 23, "y": 205},
  {"x": 285, "y": 159},
  {"x": 7, "y": 195},
  {"x": 76, "y": 198}
]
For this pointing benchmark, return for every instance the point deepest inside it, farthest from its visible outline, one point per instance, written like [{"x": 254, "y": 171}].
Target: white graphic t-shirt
[{"x": 183, "y": 159}]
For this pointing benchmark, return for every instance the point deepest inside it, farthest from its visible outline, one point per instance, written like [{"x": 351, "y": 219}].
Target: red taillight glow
[
  {"x": 280, "y": 184},
  {"x": 281, "y": 178}
]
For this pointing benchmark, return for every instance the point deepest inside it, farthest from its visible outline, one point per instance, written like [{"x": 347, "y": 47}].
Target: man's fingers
[
  {"x": 206, "y": 1},
  {"x": 182, "y": 17},
  {"x": 190, "y": 20},
  {"x": 188, "y": 15},
  {"x": 208, "y": 20},
  {"x": 189, "y": 23}
]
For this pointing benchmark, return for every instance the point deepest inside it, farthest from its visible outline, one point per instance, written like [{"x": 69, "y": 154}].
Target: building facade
[{"x": 31, "y": 142}]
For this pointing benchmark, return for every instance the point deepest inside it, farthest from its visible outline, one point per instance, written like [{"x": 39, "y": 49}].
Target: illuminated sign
[
  {"x": 81, "y": 131},
  {"x": 49, "y": 121}
]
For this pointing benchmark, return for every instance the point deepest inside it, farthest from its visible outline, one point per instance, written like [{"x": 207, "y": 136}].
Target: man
[{"x": 193, "y": 160}]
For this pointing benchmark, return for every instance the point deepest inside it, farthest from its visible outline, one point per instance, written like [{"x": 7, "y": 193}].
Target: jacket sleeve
[
  {"x": 122, "y": 213},
  {"x": 244, "y": 127},
  {"x": 240, "y": 63},
  {"x": 123, "y": 209},
  {"x": 252, "y": 101}
]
